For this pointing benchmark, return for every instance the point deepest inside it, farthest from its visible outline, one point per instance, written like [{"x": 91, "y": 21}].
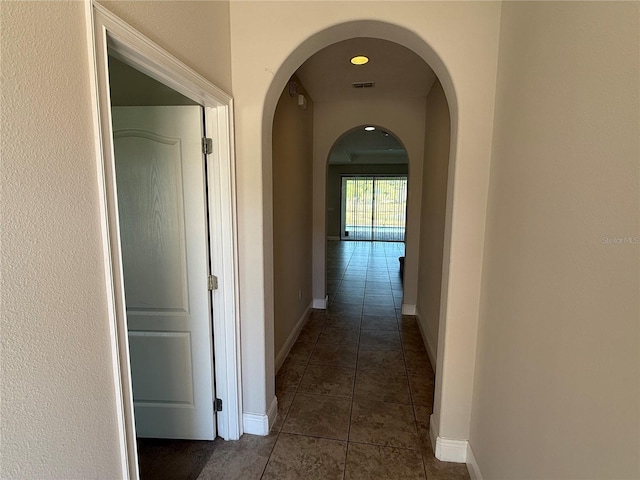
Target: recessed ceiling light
[
  {"x": 369, "y": 129},
  {"x": 359, "y": 60}
]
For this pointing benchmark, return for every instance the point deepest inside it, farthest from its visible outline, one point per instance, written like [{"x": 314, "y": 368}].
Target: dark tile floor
[{"x": 354, "y": 394}]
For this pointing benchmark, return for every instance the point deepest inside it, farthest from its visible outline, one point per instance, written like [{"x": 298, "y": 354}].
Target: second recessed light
[{"x": 359, "y": 60}]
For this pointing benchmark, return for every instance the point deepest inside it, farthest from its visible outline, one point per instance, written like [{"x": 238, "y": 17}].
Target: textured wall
[
  {"x": 196, "y": 32},
  {"x": 58, "y": 399},
  {"x": 434, "y": 198},
  {"x": 292, "y": 188},
  {"x": 557, "y": 390},
  {"x": 58, "y": 408}
]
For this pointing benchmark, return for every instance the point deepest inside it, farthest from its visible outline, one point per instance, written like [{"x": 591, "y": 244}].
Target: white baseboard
[
  {"x": 472, "y": 464},
  {"x": 258, "y": 423},
  {"x": 408, "y": 309},
  {"x": 291, "y": 339},
  {"x": 449, "y": 450},
  {"x": 333, "y": 238},
  {"x": 255, "y": 424},
  {"x": 446, "y": 449},
  {"x": 431, "y": 351},
  {"x": 320, "y": 303}
]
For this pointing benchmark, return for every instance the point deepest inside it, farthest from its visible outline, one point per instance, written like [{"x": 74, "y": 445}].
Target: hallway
[{"x": 355, "y": 392}]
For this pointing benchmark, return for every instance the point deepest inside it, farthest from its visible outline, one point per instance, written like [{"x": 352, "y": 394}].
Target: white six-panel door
[{"x": 163, "y": 224}]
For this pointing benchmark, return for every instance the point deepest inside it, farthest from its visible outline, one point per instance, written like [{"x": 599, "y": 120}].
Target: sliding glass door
[{"x": 374, "y": 208}]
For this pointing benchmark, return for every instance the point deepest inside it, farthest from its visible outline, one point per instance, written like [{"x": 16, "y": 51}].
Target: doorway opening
[
  {"x": 367, "y": 186},
  {"x": 342, "y": 106},
  {"x": 160, "y": 171},
  {"x": 162, "y": 200},
  {"x": 167, "y": 177}
]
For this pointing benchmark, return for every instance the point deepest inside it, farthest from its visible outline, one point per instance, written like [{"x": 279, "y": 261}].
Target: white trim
[
  {"x": 108, "y": 31},
  {"x": 472, "y": 464},
  {"x": 408, "y": 309},
  {"x": 431, "y": 351},
  {"x": 135, "y": 49},
  {"x": 255, "y": 424},
  {"x": 128, "y": 456},
  {"x": 320, "y": 303},
  {"x": 447, "y": 449},
  {"x": 223, "y": 253},
  {"x": 291, "y": 339},
  {"x": 260, "y": 424}
]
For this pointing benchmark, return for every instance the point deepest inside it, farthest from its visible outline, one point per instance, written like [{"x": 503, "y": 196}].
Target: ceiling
[
  {"x": 396, "y": 71},
  {"x": 368, "y": 147}
]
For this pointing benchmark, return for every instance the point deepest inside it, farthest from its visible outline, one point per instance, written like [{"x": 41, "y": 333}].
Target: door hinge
[
  {"x": 212, "y": 282},
  {"x": 207, "y": 145},
  {"x": 217, "y": 405}
]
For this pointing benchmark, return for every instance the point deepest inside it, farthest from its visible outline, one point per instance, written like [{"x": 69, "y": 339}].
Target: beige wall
[
  {"x": 459, "y": 40},
  {"x": 564, "y": 176},
  {"x": 292, "y": 194},
  {"x": 58, "y": 398},
  {"x": 58, "y": 407},
  {"x": 334, "y": 187},
  {"x": 434, "y": 199},
  {"x": 557, "y": 390},
  {"x": 196, "y": 32}
]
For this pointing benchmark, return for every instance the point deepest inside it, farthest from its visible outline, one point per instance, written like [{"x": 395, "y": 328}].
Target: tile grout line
[
  {"x": 295, "y": 394},
  {"x": 398, "y": 317},
  {"x": 413, "y": 406},
  {"x": 270, "y": 454},
  {"x": 353, "y": 398},
  {"x": 355, "y": 378},
  {"x": 353, "y": 389}
]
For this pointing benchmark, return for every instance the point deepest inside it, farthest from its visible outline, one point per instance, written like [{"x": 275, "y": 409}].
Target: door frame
[{"x": 107, "y": 31}]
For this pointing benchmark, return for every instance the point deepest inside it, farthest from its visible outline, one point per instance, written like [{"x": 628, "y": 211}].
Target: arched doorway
[
  {"x": 461, "y": 46},
  {"x": 367, "y": 186},
  {"x": 321, "y": 146}
]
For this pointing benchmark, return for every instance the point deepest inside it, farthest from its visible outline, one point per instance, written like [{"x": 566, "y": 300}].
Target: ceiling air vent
[{"x": 363, "y": 84}]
